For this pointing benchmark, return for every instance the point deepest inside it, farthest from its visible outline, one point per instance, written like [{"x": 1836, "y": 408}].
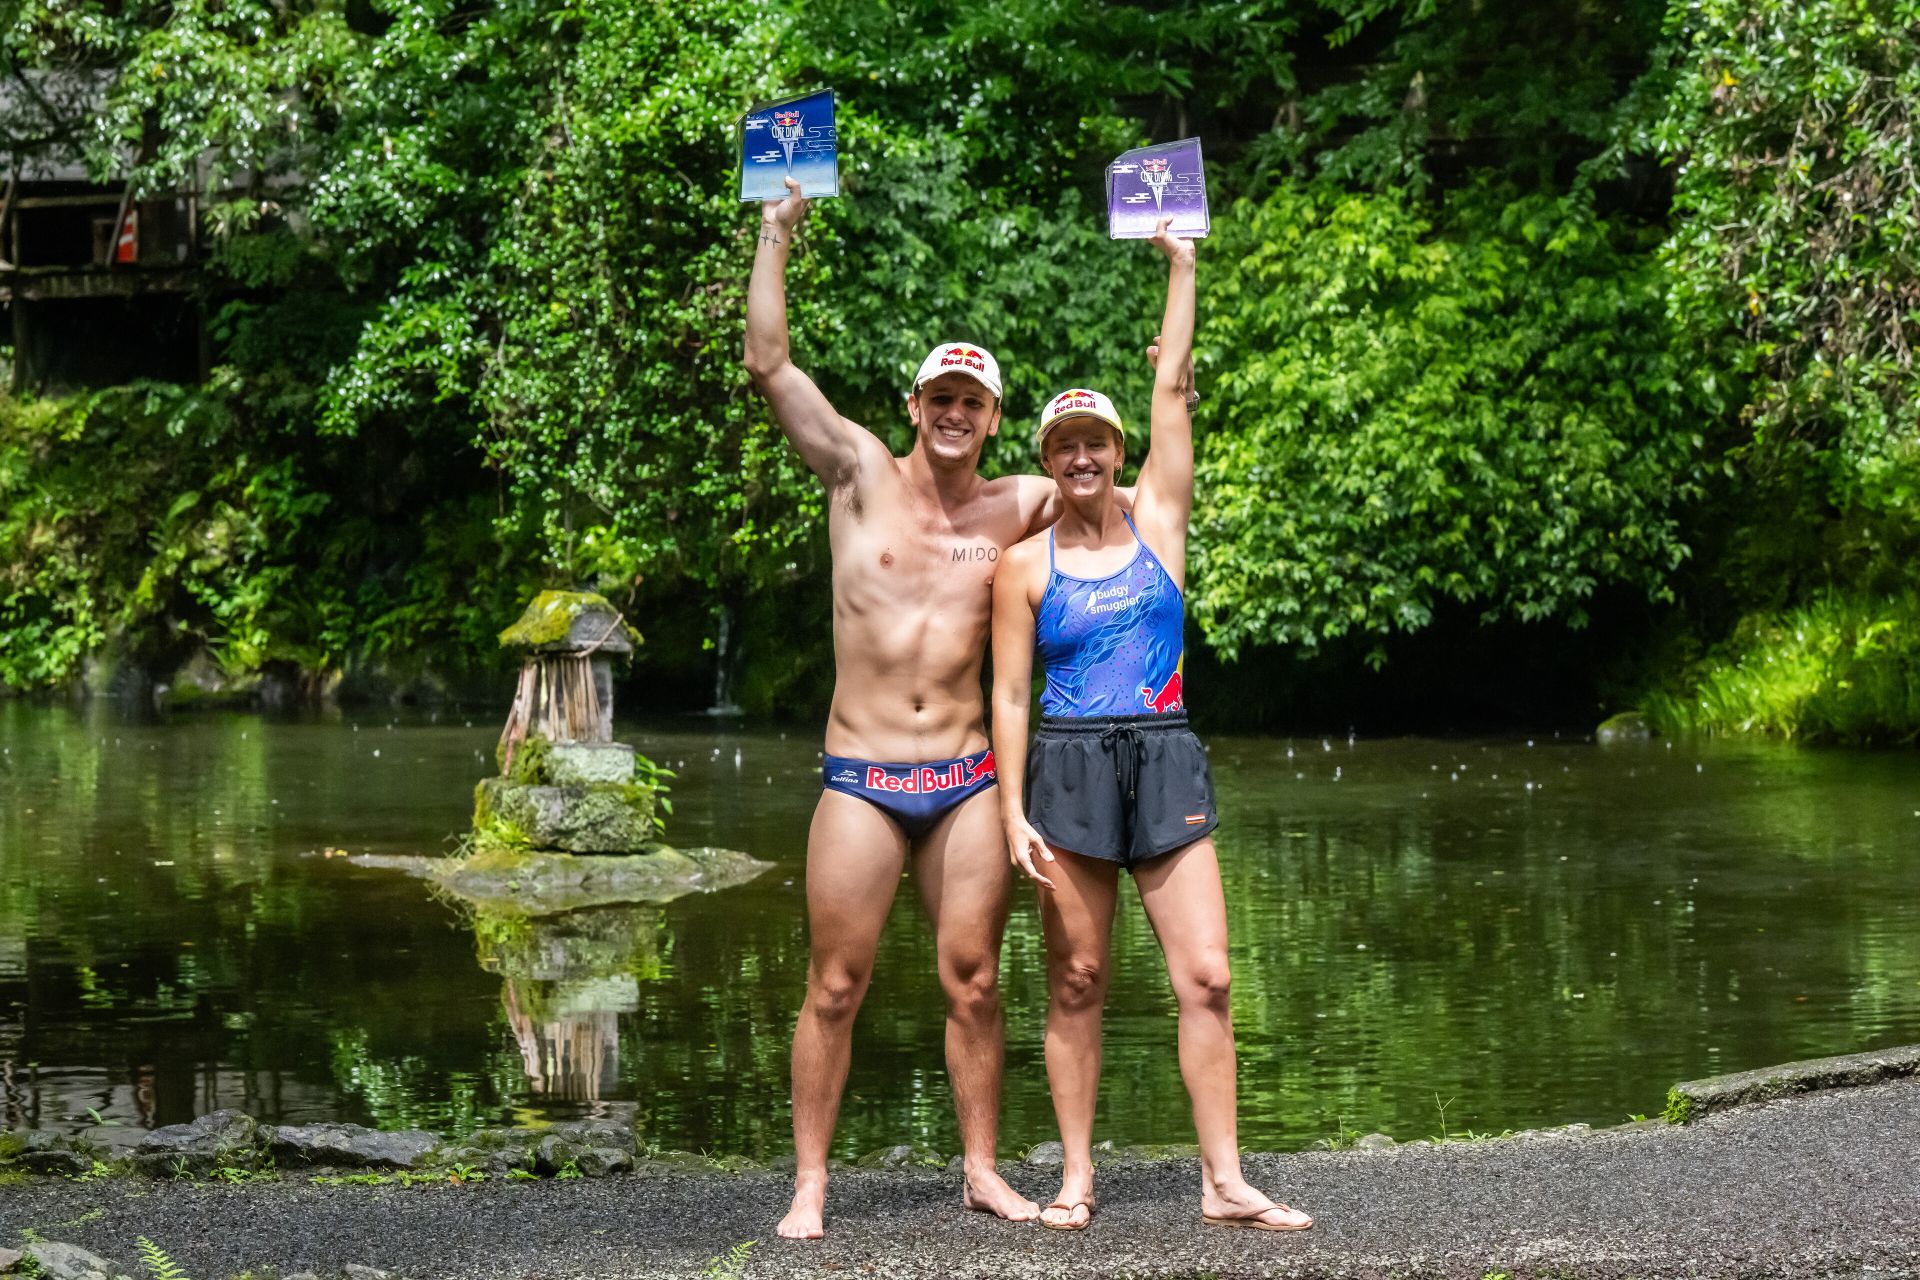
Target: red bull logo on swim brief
[{"x": 926, "y": 779}]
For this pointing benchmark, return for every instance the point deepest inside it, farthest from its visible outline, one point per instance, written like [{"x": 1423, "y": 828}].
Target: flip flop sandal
[
  {"x": 1257, "y": 1221},
  {"x": 1089, "y": 1204}
]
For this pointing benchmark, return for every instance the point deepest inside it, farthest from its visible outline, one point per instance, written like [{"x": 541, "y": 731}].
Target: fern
[
  {"x": 156, "y": 1261},
  {"x": 731, "y": 1267}
]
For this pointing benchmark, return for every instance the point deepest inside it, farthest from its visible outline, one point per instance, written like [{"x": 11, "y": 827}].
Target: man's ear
[
  {"x": 913, "y": 408},
  {"x": 993, "y": 423}
]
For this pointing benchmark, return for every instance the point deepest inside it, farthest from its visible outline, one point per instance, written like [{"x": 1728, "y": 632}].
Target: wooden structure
[{"x": 99, "y": 288}]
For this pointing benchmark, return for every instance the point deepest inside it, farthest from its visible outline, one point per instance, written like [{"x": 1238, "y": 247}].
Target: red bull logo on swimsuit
[
  {"x": 927, "y": 779},
  {"x": 1166, "y": 698}
]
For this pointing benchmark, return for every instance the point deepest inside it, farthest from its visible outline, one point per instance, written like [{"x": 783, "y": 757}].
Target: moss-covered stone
[
  {"x": 532, "y": 883},
  {"x": 1628, "y": 726},
  {"x": 548, "y": 623},
  {"x": 599, "y": 818},
  {"x": 529, "y": 759}
]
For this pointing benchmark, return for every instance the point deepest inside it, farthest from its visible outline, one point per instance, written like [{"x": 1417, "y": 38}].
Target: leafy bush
[{"x": 1490, "y": 410}]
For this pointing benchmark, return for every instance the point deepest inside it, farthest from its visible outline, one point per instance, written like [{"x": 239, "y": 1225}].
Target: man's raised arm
[{"x": 826, "y": 442}]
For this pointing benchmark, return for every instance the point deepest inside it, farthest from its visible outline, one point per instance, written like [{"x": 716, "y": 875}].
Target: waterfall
[{"x": 726, "y": 663}]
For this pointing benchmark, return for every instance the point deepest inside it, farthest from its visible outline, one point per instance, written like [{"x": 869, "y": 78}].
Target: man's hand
[
  {"x": 778, "y": 218},
  {"x": 1179, "y": 250}
]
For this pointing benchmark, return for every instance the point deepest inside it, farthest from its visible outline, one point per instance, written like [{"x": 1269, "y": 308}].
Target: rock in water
[
  {"x": 574, "y": 819},
  {"x": 1628, "y": 726},
  {"x": 548, "y": 883}
]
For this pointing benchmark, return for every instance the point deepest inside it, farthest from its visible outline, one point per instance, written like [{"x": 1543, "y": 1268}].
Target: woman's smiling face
[{"x": 1082, "y": 455}]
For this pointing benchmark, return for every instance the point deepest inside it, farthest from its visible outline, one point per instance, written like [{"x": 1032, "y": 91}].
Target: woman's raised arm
[{"x": 1165, "y": 495}]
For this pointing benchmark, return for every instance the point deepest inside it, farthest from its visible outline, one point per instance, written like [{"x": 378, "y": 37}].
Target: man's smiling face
[{"x": 954, "y": 414}]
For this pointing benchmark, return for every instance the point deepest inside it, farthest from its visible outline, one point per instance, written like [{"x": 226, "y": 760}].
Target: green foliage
[
  {"x": 1790, "y": 126},
  {"x": 157, "y": 1263},
  {"x": 1489, "y": 411},
  {"x": 1679, "y": 1108},
  {"x": 476, "y": 279},
  {"x": 1841, "y": 669},
  {"x": 731, "y": 1265}
]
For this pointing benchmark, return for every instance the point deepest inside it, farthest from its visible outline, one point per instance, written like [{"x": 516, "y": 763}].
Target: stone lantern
[{"x": 565, "y": 785}]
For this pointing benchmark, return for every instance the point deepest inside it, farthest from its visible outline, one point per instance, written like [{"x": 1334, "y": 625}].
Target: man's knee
[
  {"x": 834, "y": 992},
  {"x": 1078, "y": 982},
  {"x": 971, "y": 984}
]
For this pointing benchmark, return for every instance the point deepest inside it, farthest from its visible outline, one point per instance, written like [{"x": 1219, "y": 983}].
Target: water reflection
[
  {"x": 569, "y": 978},
  {"x": 1529, "y": 934}
]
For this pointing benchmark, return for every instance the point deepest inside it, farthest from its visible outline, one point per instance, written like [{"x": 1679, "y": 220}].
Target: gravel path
[{"x": 1825, "y": 1184}]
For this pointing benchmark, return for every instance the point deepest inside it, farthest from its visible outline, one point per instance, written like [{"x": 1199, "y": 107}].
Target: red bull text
[{"x": 927, "y": 779}]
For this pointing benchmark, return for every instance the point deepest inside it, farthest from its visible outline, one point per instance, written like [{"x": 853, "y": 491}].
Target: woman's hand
[
  {"x": 779, "y": 218},
  {"x": 1179, "y": 251},
  {"x": 1027, "y": 846}
]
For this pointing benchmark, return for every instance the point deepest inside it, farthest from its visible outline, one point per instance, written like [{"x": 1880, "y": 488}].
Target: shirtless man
[{"x": 907, "y": 770}]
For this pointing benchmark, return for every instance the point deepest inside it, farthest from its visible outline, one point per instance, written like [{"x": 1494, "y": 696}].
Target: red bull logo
[
  {"x": 786, "y": 119},
  {"x": 1154, "y": 166},
  {"x": 1168, "y": 696},
  {"x": 1068, "y": 400},
  {"x": 965, "y": 357},
  {"x": 927, "y": 779}
]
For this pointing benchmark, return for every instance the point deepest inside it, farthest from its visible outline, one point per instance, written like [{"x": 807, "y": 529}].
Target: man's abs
[{"x": 907, "y": 654}]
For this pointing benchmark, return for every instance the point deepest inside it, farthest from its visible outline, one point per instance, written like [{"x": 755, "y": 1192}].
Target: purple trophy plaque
[{"x": 1151, "y": 183}]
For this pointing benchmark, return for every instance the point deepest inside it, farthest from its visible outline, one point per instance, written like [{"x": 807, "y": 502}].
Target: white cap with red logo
[
  {"x": 960, "y": 357},
  {"x": 1078, "y": 403}
]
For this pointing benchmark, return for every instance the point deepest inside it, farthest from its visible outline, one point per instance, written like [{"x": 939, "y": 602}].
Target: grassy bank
[{"x": 1843, "y": 669}]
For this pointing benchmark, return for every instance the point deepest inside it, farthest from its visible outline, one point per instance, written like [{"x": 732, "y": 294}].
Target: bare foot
[
  {"x": 1072, "y": 1209},
  {"x": 809, "y": 1199},
  {"x": 985, "y": 1191},
  {"x": 1238, "y": 1205}
]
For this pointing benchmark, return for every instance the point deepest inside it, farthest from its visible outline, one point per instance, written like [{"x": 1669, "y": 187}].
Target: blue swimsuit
[
  {"x": 916, "y": 796},
  {"x": 1112, "y": 646}
]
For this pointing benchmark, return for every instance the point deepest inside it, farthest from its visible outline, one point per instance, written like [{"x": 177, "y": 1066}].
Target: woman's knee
[{"x": 1205, "y": 982}]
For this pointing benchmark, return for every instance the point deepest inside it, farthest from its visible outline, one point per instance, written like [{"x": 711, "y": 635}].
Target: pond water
[{"x": 1476, "y": 935}]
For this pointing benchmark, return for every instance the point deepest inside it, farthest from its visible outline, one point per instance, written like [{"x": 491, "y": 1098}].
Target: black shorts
[{"x": 1122, "y": 788}]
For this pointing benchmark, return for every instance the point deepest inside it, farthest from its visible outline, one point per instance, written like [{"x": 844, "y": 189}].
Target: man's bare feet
[
  {"x": 1072, "y": 1209},
  {"x": 809, "y": 1200},
  {"x": 1236, "y": 1204},
  {"x": 985, "y": 1191}
]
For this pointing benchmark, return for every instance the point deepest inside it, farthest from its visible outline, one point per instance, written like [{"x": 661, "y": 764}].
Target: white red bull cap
[
  {"x": 960, "y": 357},
  {"x": 1078, "y": 402}
]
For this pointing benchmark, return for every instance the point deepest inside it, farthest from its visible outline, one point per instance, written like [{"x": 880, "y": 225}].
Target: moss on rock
[{"x": 548, "y": 621}]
